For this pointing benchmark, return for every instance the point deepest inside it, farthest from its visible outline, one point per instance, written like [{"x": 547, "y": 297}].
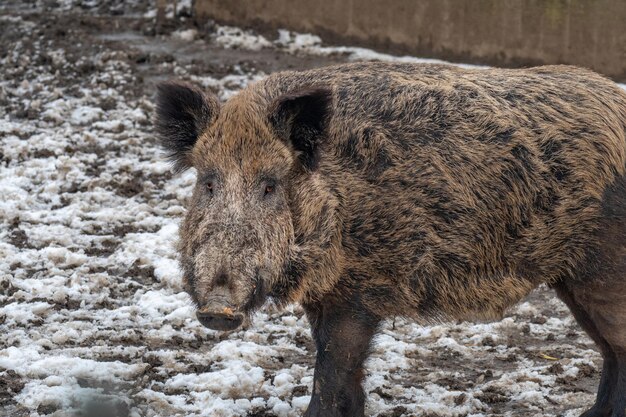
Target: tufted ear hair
[
  {"x": 183, "y": 112},
  {"x": 301, "y": 119}
]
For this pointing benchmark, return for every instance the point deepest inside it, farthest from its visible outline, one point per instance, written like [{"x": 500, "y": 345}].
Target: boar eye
[
  {"x": 209, "y": 187},
  {"x": 269, "y": 187}
]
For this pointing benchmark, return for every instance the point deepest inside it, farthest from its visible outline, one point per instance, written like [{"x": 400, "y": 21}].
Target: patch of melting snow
[
  {"x": 232, "y": 37},
  {"x": 305, "y": 43},
  {"x": 185, "y": 35}
]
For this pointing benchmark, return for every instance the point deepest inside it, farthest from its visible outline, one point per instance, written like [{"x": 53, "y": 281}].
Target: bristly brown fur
[
  {"x": 426, "y": 191},
  {"x": 454, "y": 192}
]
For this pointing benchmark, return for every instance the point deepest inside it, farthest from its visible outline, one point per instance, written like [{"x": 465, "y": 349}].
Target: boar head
[{"x": 237, "y": 238}]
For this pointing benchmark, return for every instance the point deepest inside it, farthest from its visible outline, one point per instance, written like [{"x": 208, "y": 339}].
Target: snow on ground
[{"x": 92, "y": 315}]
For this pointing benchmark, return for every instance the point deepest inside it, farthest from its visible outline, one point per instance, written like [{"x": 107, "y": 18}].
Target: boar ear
[
  {"x": 183, "y": 112},
  {"x": 301, "y": 118}
]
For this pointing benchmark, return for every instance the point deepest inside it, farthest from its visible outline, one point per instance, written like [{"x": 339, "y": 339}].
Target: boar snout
[{"x": 218, "y": 314}]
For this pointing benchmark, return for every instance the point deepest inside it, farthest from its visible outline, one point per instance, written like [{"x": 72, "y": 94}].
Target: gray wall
[{"x": 589, "y": 33}]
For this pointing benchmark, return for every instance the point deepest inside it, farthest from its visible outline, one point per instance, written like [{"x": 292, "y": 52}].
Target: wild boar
[{"x": 371, "y": 190}]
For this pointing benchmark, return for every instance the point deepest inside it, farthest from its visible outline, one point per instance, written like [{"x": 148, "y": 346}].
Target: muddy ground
[{"x": 92, "y": 317}]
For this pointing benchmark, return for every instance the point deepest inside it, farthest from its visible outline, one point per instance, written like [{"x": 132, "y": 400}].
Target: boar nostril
[{"x": 221, "y": 279}]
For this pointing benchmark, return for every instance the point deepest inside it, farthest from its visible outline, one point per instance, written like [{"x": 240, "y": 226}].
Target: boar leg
[
  {"x": 619, "y": 394},
  {"x": 609, "y": 375},
  {"x": 342, "y": 332},
  {"x": 597, "y": 298},
  {"x": 600, "y": 309}
]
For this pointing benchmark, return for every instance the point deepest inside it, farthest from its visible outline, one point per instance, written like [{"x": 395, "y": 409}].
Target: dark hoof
[
  {"x": 315, "y": 410},
  {"x": 619, "y": 413},
  {"x": 596, "y": 412}
]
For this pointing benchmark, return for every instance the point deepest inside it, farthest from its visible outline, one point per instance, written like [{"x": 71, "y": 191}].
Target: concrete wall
[{"x": 589, "y": 33}]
